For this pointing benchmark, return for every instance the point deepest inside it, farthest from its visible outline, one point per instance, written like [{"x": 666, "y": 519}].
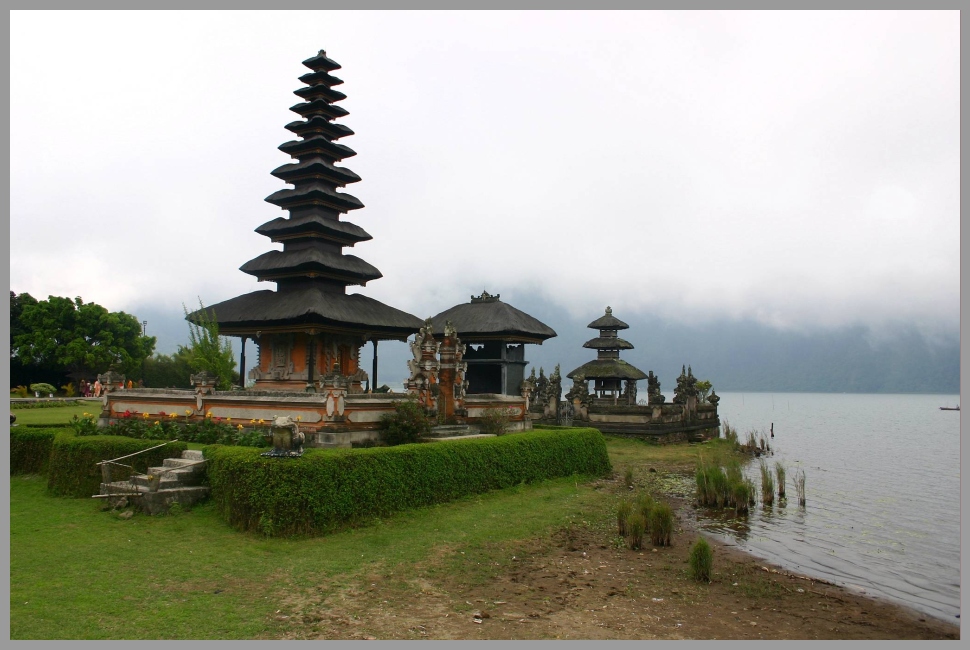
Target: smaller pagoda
[{"x": 608, "y": 371}]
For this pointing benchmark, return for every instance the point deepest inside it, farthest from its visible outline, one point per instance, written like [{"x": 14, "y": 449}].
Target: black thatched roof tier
[
  {"x": 321, "y": 77},
  {"x": 312, "y": 306},
  {"x": 318, "y": 145},
  {"x": 315, "y": 168},
  {"x": 319, "y": 107},
  {"x": 488, "y": 318},
  {"x": 608, "y": 343},
  {"x": 319, "y": 125},
  {"x": 314, "y": 225},
  {"x": 311, "y": 262},
  {"x": 321, "y": 62},
  {"x": 314, "y": 193},
  {"x": 608, "y": 369},
  {"x": 319, "y": 91},
  {"x": 608, "y": 322}
]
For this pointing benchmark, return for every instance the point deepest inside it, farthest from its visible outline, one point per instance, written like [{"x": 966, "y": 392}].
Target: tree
[
  {"x": 207, "y": 350},
  {"x": 703, "y": 388},
  {"x": 81, "y": 338},
  {"x": 168, "y": 370}
]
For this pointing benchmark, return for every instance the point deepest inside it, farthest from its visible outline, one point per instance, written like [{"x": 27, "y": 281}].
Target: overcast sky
[{"x": 796, "y": 168}]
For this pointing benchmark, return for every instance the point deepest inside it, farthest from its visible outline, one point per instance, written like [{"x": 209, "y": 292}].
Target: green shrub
[
  {"x": 19, "y": 391},
  {"x": 406, "y": 425},
  {"x": 636, "y": 526},
  {"x": 661, "y": 524},
  {"x": 30, "y": 449},
  {"x": 623, "y": 512},
  {"x": 43, "y": 389},
  {"x": 628, "y": 478},
  {"x": 701, "y": 560},
  {"x": 74, "y": 469},
  {"x": 328, "y": 489},
  {"x": 43, "y": 404}
]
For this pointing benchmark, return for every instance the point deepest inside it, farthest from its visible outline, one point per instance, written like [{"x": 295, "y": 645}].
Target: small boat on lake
[{"x": 950, "y": 408}]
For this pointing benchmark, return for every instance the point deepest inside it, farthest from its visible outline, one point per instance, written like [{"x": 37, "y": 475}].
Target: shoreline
[{"x": 861, "y": 598}]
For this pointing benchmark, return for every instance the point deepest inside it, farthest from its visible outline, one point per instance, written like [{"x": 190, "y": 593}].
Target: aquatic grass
[
  {"x": 645, "y": 505},
  {"x": 751, "y": 444},
  {"x": 799, "y": 480},
  {"x": 767, "y": 484},
  {"x": 661, "y": 524},
  {"x": 636, "y": 526},
  {"x": 623, "y": 511},
  {"x": 742, "y": 494},
  {"x": 701, "y": 560},
  {"x": 730, "y": 433},
  {"x": 780, "y": 473}
]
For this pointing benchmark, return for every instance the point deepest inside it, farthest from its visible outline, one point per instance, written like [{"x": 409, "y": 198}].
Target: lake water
[{"x": 882, "y": 488}]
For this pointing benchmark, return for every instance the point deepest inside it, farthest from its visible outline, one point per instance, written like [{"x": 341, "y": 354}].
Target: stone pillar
[
  {"x": 424, "y": 367},
  {"x": 242, "y": 364},
  {"x": 451, "y": 375}
]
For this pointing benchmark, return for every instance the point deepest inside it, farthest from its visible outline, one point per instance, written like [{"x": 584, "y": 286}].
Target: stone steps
[{"x": 179, "y": 482}]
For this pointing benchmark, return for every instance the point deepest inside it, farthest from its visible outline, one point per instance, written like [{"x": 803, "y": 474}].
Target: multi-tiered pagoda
[
  {"x": 608, "y": 370},
  {"x": 310, "y": 326}
]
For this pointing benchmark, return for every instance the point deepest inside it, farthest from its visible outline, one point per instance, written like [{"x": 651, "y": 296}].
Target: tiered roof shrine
[
  {"x": 608, "y": 370},
  {"x": 310, "y": 327},
  {"x": 495, "y": 334}
]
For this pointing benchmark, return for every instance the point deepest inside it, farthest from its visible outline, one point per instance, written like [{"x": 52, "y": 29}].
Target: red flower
[{"x": 162, "y": 413}]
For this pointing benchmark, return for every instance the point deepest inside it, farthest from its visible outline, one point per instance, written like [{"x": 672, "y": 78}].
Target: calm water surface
[{"x": 882, "y": 490}]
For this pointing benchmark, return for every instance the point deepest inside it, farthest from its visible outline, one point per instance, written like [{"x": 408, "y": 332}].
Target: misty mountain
[{"x": 733, "y": 355}]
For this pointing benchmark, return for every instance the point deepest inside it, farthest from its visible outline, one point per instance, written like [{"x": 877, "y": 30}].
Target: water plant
[
  {"x": 644, "y": 505},
  {"x": 742, "y": 495},
  {"x": 780, "y": 473},
  {"x": 636, "y": 526},
  {"x": 767, "y": 485},
  {"x": 623, "y": 511},
  {"x": 730, "y": 433},
  {"x": 701, "y": 560},
  {"x": 751, "y": 444},
  {"x": 661, "y": 524},
  {"x": 799, "y": 480}
]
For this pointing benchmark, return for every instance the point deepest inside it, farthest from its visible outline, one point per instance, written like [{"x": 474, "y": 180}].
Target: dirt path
[{"x": 580, "y": 584}]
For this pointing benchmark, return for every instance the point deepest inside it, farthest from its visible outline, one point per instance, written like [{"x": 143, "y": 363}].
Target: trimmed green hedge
[
  {"x": 30, "y": 449},
  {"x": 328, "y": 489},
  {"x": 74, "y": 469}
]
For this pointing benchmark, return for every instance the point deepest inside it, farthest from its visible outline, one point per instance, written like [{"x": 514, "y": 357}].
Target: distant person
[
  {"x": 97, "y": 388},
  {"x": 130, "y": 384},
  {"x": 141, "y": 384}
]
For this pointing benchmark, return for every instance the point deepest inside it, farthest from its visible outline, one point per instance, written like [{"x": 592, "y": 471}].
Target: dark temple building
[
  {"x": 495, "y": 334},
  {"x": 310, "y": 326}
]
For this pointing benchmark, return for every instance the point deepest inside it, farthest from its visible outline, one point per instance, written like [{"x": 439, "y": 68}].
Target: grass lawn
[
  {"x": 77, "y": 572},
  {"x": 56, "y": 414}
]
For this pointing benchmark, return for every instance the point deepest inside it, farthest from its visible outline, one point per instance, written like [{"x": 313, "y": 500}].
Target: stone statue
[
  {"x": 654, "y": 396},
  {"x": 541, "y": 391},
  {"x": 680, "y": 395},
  {"x": 713, "y": 398},
  {"x": 578, "y": 396},
  {"x": 630, "y": 391}
]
